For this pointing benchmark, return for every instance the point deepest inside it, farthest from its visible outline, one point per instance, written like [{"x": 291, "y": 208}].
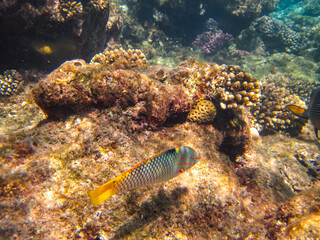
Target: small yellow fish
[{"x": 313, "y": 111}]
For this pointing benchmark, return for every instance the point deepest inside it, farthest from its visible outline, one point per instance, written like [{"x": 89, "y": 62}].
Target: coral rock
[
  {"x": 77, "y": 86},
  {"x": 203, "y": 111}
]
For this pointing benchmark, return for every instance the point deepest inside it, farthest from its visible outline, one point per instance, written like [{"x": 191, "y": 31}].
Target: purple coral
[{"x": 211, "y": 42}]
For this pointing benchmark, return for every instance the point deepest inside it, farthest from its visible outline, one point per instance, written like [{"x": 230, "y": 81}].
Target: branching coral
[
  {"x": 212, "y": 40},
  {"x": 299, "y": 87},
  {"x": 64, "y": 10},
  {"x": 272, "y": 115},
  {"x": 100, "y": 4},
  {"x": 230, "y": 85}
]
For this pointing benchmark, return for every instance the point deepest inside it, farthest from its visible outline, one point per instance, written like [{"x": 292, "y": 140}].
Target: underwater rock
[{"x": 77, "y": 86}]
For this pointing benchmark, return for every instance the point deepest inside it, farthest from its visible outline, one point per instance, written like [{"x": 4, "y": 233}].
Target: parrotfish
[
  {"x": 313, "y": 111},
  {"x": 160, "y": 167}
]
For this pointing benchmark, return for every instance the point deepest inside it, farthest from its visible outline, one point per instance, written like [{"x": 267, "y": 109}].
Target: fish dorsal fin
[{"x": 298, "y": 111}]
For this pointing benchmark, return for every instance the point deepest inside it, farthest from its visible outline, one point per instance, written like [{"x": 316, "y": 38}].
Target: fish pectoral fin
[{"x": 298, "y": 111}]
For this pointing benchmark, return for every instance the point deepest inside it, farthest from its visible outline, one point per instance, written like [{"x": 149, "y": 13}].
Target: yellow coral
[
  {"x": 9, "y": 82},
  {"x": 203, "y": 111},
  {"x": 65, "y": 10},
  {"x": 120, "y": 58},
  {"x": 230, "y": 85}
]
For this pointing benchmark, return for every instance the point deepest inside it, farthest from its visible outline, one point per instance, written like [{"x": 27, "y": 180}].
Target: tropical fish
[
  {"x": 160, "y": 167},
  {"x": 313, "y": 111}
]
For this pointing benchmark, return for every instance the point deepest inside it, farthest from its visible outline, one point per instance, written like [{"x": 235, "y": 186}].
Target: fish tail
[{"x": 102, "y": 193}]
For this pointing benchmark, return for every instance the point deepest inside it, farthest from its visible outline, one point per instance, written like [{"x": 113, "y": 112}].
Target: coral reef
[
  {"x": 266, "y": 193},
  {"x": 311, "y": 7},
  {"x": 299, "y": 87},
  {"x": 211, "y": 42},
  {"x": 202, "y": 111},
  {"x": 9, "y": 82},
  {"x": 113, "y": 78},
  {"x": 90, "y": 120},
  {"x": 278, "y": 36},
  {"x": 272, "y": 115},
  {"x": 251, "y": 8},
  {"x": 230, "y": 85},
  {"x": 123, "y": 113}
]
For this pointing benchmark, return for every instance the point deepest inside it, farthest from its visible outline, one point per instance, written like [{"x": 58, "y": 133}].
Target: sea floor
[{"x": 270, "y": 191}]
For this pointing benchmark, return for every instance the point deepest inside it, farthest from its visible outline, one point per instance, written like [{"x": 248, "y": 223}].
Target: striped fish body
[
  {"x": 161, "y": 167},
  {"x": 314, "y": 108}
]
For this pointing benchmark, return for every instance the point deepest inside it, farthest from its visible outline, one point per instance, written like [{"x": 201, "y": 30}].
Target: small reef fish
[
  {"x": 313, "y": 111},
  {"x": 160, "y": 167}
]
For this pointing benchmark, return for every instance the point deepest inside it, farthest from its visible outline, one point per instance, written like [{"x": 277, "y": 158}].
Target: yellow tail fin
[
  {"x": 102, "y": 193},
  {"x": 298, "y": 111}
]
